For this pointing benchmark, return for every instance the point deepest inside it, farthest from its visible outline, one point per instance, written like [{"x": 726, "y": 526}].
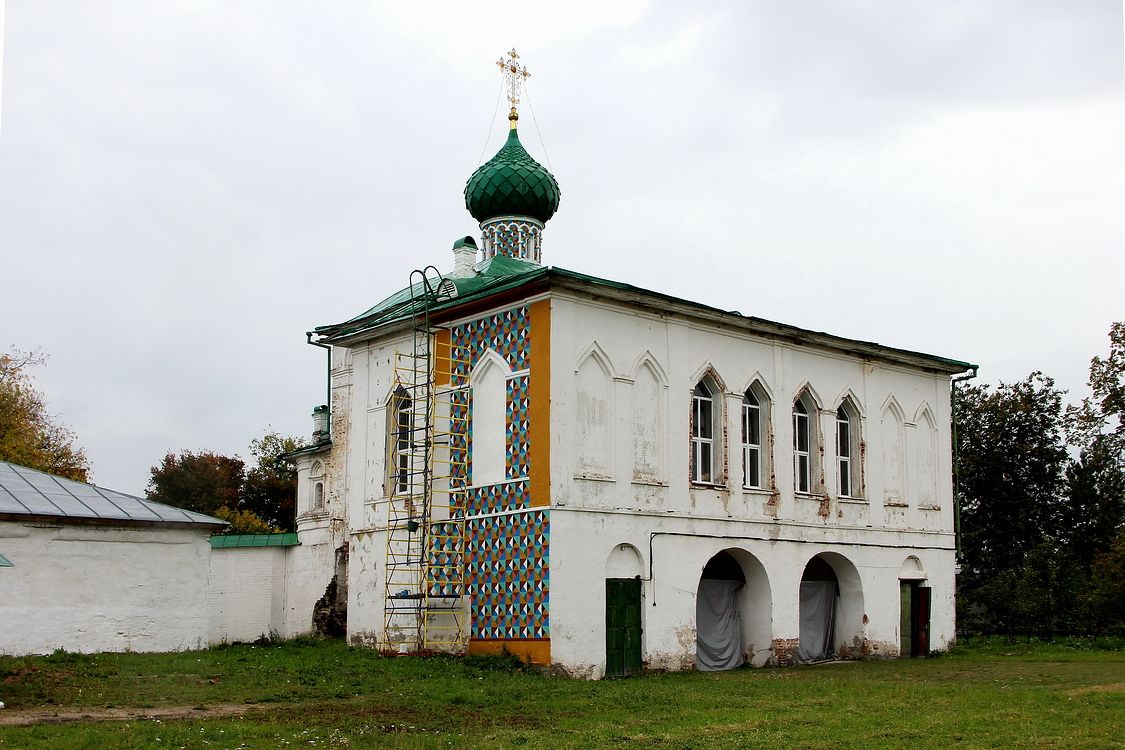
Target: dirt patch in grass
[
  {"x": 1116, "y": 687},
  {"x": 166, "y": 713}
]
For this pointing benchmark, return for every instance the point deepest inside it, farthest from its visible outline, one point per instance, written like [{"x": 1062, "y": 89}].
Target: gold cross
[{"x": 515, "y": 75}]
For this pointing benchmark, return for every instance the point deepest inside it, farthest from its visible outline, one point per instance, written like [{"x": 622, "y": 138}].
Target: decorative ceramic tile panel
[
  {"x": 507, "y": 574},
  {"x": 445, "y": 560},
  {"x": 506, "y": 333},
  {"x": 517, "y": 442},
  {"x": 497, "y": 498},
  {"x": 460, "y": 441}
]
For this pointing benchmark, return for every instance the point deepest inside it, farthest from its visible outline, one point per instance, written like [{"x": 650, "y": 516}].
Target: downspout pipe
[
  {"x": 972, "y": 373},
  {"x": 328, "y": 376}
]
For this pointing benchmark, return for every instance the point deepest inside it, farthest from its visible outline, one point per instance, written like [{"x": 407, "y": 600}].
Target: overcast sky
[{"x": 188, "y": 187}]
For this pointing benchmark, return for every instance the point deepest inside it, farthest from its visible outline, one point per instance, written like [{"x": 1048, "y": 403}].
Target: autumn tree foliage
[
  {"x": 29, "y": 435},
  {"x": 204, "y": 482},
  {"x": 259, "y": 500}
]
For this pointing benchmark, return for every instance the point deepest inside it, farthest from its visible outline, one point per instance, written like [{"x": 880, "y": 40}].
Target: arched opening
[
  {"x": 831, "y": 601},
  {"x": 733, "y": 612}
]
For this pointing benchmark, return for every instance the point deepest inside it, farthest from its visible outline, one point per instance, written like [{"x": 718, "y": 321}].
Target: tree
[
  {"x": 270, "y": 491},
  {"x": 1012, "y": 462},
  {"x": 204, "y": 482},
  {"x": 29, "y": 435},
  {"x": 1102, "y": 416},
  {"x": 258, "y": 501}
]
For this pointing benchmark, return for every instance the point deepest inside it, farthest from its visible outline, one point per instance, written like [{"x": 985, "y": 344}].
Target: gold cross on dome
[{"x": 514, "y": 75}]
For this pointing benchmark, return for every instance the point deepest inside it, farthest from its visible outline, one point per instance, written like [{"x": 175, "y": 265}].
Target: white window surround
[
  {"x": 702, "y": 435},
  {"x": 806, "y": 442},
  {"x": 706, "y": 433},
  {"x": 849, "y": 474},
  {"x": 755, "y": 438},
  {"x": 399, "y": 419}
]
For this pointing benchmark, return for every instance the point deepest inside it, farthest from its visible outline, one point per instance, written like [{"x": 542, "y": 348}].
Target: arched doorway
[
  {"x": 914, "y": 603},
  {"x": 733, "y": 612},
  {"x": 623, "y": 611},
  {"x": 831, "y": 599}
]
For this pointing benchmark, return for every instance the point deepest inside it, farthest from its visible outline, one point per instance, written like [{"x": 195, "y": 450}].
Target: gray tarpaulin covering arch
[
  {"x": 718, "y": 625},
  {"x": 818, "y": 620},
  {"x": 718, "y": 622}
]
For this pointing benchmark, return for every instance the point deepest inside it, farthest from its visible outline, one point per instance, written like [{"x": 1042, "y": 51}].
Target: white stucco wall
[
  {"x": 596, "y": 511},
  {"x": 583, "y": 543},
  {"x": 247, "y": 593},
  {"x": 97, "y": 588}
]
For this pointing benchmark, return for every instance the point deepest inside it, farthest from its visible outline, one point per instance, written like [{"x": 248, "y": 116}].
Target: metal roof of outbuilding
[{"x": 31, "y": 494}]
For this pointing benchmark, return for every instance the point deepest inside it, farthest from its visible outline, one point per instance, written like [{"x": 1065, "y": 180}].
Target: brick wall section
[{"x": 785, "y": 651}]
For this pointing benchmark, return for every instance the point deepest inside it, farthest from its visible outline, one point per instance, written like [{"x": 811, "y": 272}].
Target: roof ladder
[{"x": 424, "y": 569}]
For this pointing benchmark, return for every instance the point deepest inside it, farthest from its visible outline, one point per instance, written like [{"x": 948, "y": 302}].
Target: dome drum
[{"x": 513, "y": 236}]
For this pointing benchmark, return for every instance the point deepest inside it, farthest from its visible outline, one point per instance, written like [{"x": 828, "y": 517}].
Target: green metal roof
[
  {"x": 5, "y": 562},
  {"x": 502, "y": 273},
  {"x": 220, "y": 541},
  {"x": 512, "y": 184},
  {"x": 493, "y": 275}
]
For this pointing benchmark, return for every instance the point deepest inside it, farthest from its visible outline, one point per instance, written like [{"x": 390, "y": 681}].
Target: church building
[{"x": 603, "y": 478}]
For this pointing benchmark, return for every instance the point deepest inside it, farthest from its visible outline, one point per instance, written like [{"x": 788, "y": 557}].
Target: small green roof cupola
[{"x": 512, "y": 195}]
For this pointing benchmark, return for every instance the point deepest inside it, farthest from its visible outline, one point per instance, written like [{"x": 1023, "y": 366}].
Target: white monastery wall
[
  {"x": 246, "y": 594},
  {"x": 96, "y": 588}
]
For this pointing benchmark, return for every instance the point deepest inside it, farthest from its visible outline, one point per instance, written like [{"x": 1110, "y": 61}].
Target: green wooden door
[
  {"x": 622, "y": 626},
  {"x": 906, "y": 619}
]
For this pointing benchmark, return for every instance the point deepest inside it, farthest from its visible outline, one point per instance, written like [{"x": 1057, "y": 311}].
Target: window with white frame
[
  {"x": 399, "y": 425},
  {"x": 848, "y": 476},
  {"x": 755, "y": 437},
  {"x": 705, "y": 423},
  {"x": 805, "y": 442}
]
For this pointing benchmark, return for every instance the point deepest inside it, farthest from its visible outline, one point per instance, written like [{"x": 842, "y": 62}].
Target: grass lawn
[{"x": 323, "y": 694}]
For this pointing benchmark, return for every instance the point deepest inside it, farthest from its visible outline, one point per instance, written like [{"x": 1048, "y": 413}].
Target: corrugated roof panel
[
  {"x": 5, "y": 562},
  {"x": 29, "y": 492}
]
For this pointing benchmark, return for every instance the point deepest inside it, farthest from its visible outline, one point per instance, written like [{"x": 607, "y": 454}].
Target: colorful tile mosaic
[
  {"x": 497, "y": 498},
  {"x": 460, "y": 437},
  {"x": 508, "y": 576},
  {"x": 506, "y": 333},
  {"x": 517, "y": 441},
  {"x": 444, "y": 560}
]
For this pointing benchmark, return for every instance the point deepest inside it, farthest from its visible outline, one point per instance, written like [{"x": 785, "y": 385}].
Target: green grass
[{"x": 322, "y": 694}]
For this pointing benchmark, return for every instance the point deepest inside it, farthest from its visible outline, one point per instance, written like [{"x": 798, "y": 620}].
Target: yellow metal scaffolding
[{"x": 424, "y": 569}]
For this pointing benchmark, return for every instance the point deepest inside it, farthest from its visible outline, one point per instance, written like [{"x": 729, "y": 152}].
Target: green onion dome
[{"x": 512, "y": 184}]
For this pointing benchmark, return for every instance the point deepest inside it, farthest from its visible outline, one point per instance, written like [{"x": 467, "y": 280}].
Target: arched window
[
  {"x": 848, "y": 469},
  {"x": 316, "y": 475},
  {"x": 805, "y": 440},
  {"x": 399, "y": 424},
  {"x": 706, "y": 424},
  {"x": 755, "y": 437}
]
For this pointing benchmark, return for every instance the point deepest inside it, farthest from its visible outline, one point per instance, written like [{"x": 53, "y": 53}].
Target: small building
[
  {"x": 91, "y": 569},
  {"x": 602, "y": 477}
]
